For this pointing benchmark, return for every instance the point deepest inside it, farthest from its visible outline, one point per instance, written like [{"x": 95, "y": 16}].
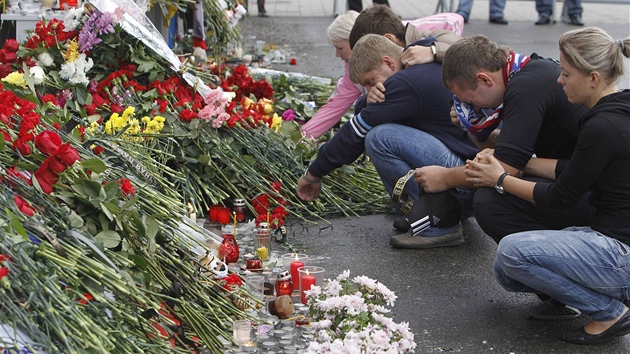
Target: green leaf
[
  {"x": 105, "y": 210},
  {"x": 95, "y": 165},
  {"x": 91, "y": 188},
  {"x": 109, "y": 238},
  {"x": 112, "y": 207}
]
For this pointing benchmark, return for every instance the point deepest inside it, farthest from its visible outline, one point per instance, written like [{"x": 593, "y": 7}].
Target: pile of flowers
[{"x": 349, "y": 317}]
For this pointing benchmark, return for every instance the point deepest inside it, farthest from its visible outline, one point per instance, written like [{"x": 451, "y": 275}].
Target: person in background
[
  {"x": 357, "y": 5},
  {"x": 583, "y": 267},
  {"x": 496, "y": 11},
  {"x": 261, "y": 9},
  {"x": 545, "y": 12},
  {"x": 446, "y": 27}
]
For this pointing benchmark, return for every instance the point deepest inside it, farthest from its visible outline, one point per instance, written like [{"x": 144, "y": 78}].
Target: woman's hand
[
  {"x": 417, "y": 54},
  {"x": 484, "y": 170}
]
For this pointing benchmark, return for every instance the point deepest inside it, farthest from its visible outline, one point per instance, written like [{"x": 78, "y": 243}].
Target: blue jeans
[
  {"x": 395, "y": 149},
  {"x": 574, "y": 7},
  {"x": 496, "y": 8},
  {"x": 577, "y": 266}
]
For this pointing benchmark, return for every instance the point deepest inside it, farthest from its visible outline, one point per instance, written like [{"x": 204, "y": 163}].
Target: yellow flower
[
  {"x": 73, "y": 51},
  {"x": 247, "y": 102},
  {"x": 129, "y": 112},
  {"x": 15, "y": 78},
  {"x": 93, "y": 127},
  {"x": 276, "y": 122},
  {"x": 134, "y": 126}
]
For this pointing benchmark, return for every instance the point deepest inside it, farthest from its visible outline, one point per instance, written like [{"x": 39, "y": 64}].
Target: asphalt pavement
[{"x": 448, "y": 295}]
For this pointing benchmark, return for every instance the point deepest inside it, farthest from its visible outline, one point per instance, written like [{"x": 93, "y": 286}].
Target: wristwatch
[
  {"x": 434, "y": 50},
  {"x": 499, "y": 185}
]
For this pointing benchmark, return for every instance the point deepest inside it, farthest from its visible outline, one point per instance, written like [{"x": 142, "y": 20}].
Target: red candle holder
[
  {"x": 213, "y": 213},
  {"x": 224, "y": 215},
  {"x": 228, "y": 250},
  {"x": 284, "y": 285}
]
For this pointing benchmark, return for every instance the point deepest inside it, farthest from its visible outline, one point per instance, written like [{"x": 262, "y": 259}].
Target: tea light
[
  {"x": 278, "y": 333},
  {"x": 287, "y": 323},
  {"x": 249, "y": 347},
  {"x": 286, "y": 343},
  {"x": 287, "y": 337},
  {"x": 269, "y": 345}
]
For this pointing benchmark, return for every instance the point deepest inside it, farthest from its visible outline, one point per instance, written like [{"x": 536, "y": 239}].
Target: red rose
[
  {"x": 126, "y": 186},
  {"x": 56, "y": 164},
  {"x": 67, "y": 154},
  {"x": 46, "y": 177},
  {"x": 23, "y": 206},
  {"x": 48, "y": 142},
  {"x": 7, "y": 57},
  {"x": 293, "y": 61},
  {"x": 11, "y": 45},
  {"x": 98, "y": 150},
  {"x": 21, "y": 146},
  {"x": 6, "y": 136}
]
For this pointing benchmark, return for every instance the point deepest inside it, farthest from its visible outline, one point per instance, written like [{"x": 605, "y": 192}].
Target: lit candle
[
  {"x": 306, "y": 283},
  {"x": 294, "y": 269}
]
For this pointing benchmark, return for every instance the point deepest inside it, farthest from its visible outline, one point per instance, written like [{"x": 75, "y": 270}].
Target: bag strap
[{"x": 397, "y": 192}]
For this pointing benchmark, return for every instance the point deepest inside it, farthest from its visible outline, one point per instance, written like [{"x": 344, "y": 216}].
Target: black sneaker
[
  {"x": 402, "y": 225},
  {"x": 552, "y": 310}
]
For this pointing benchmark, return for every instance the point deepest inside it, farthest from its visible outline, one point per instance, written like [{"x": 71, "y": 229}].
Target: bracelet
[{"x": 309, "y": 179}]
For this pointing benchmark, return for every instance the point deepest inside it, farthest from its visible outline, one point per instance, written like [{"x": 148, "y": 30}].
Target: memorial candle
[
  {"x": 294, "y": 269},
  {"x": 305, "y": 284}
]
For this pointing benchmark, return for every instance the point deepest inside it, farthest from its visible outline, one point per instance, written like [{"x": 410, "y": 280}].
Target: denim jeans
[
  {"x": 574, "y": 7},
  {"x": 395, "y": 149},
  {"x": 577, "y": 266},
  {"x": 495, "y": 10}
]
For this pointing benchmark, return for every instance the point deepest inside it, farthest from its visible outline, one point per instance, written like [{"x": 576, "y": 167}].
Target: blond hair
[
  {"x": 368, "y": 52},
  {"x": 592, "y": 49},
  {"x": 339, "y": 29}
]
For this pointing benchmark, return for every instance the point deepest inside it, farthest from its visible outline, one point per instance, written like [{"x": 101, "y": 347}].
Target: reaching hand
[
  {"x": 432, "y": 178},
  {"x": 376, "y": 94},
  {"x": 308, "y": 191}
]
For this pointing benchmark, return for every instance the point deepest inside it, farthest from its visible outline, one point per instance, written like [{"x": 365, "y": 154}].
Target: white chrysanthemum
[
  {"x": 38, "y": 74},
  {"x": 333, "y": 288},
  {"x": 45, "y": 59},
  {"x": 362, "y": 280},
  {"x": 75, "y": 71},
  {"x": 344, "y": 275},
  {"x": 74, "y": 17}
]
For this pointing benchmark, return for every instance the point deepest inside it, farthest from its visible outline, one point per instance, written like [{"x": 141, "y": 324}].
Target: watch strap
[{"x": 501, "y": 178}]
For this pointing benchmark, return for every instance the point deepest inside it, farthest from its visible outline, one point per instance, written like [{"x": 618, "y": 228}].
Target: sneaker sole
[
  {"x": 553, "y": 318},
  {"x": 456, "y": 242}
]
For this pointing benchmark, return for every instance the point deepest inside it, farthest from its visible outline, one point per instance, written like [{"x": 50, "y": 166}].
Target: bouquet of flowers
[{"x": 349, "y": 317}]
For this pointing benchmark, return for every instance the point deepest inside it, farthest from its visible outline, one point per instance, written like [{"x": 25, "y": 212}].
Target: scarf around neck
[{"x": 481, "y": 124}]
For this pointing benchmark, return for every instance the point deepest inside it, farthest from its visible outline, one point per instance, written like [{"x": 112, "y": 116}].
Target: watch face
[{"x": 499, "y": 189}]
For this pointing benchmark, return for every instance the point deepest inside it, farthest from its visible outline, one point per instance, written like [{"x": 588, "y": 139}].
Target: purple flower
[{"x": 288, "y": 115}]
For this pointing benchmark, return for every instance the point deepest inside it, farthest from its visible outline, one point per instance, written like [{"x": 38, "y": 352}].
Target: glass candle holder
[
  {"x": 293, "y": 261},
  {"x": 262, "y": 244},
  {"x": 224, "y": 215},
  {"x": 239, "y": 209},
  {"x": 284, "y": 284},
  {"x": 241, "y": 331},
  {"x": 228, "y": 250},
  {"x": 309, "y": 276},
  {"x": 255, "y": 284},
  {"x": 213, "y": 213}
]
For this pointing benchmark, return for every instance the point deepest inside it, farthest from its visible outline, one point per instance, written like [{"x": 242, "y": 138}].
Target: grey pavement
[{"x": 448, "y": 295}]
